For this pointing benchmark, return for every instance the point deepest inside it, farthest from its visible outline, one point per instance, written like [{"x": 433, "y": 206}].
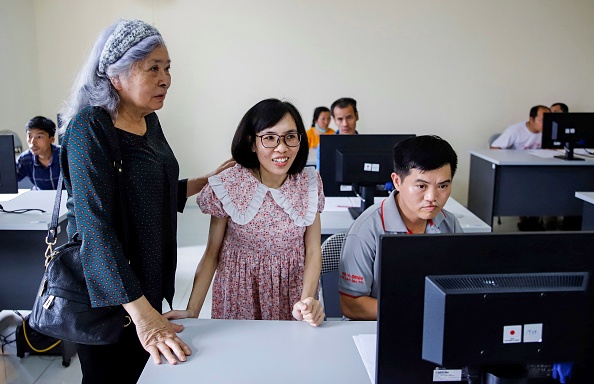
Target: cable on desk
[{"x": 22, "y": 210}]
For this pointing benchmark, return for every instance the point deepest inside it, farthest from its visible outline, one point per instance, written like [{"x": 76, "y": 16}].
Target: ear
[
  {"x": 117, "y": 84},
  {"x": 52, "y": 139},
  {"x": 396, "y": 181}
]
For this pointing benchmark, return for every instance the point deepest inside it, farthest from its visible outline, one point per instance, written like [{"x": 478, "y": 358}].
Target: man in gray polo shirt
[{"x": 424, "y": 167}]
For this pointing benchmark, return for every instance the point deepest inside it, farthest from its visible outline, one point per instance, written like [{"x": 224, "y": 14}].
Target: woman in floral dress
[{"x": 264, "y": 237}]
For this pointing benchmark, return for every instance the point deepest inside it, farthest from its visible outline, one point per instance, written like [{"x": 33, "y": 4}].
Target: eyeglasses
[{"x": 272, "y": 140}]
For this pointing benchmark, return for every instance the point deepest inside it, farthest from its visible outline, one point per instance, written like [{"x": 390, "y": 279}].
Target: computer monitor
[
  {"x": 8, "y": 179},
  {"x": 568, "y": 131},
  {"x": 357, "y": 165},
  {"x": 484, "y": 306}
]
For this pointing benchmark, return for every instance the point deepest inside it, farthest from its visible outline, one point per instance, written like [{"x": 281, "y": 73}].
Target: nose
[
  {"x": 165, "y": 80},
  {"x": 430, "y": 194}
]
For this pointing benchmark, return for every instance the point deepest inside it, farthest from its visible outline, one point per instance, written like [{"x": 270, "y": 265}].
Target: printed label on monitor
[
  {"x": 512, "y": 334},
  {"x": 440, "y": 374},
  {"x": 346, "y": 187},
  {"x": 533, "y": 333}
]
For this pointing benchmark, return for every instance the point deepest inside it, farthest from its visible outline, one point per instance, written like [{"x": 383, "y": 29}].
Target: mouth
[{"x": 280, "y": 161}]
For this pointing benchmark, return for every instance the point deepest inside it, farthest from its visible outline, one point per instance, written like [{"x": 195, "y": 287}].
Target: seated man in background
[
  {"x": 345, "y": 116},
  {"x": 565, "y": 223},
  {"x": 525, "y": 135},
  {"x": 424, "y": 167},
  {"x": 41, "y": 162},
  {"x": 559, "y": 107}
]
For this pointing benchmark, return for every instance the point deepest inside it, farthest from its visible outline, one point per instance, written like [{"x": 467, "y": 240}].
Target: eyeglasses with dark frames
[{"x": 272, "y": 140}]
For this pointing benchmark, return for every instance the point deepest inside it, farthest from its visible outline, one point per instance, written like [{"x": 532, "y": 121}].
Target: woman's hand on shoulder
[
  {"x": 309, "y": 310},
  {"x": 195, "y": 184}
]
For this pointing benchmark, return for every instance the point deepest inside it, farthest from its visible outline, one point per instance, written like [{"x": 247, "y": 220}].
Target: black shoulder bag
[{"x": 62, "y": 308}]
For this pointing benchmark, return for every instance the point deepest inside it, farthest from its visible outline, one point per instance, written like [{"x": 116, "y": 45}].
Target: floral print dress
[{"x": 261, "y": 261}]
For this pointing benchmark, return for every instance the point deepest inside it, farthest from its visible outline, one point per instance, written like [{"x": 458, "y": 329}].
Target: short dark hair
[
  {"x": 266, "y": 114},
  {"x": 424, "y": 153},
  {"x": 534, "y": 110},
  {"x": 317, "y": 112},
  {"x": 43, "y": 123},
  {"x": 342, "y": 103},
  {"x": 563, "y": 107}
]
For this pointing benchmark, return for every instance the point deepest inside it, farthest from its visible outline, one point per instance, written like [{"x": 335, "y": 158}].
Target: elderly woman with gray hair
[{"x": 123, "y": 82}]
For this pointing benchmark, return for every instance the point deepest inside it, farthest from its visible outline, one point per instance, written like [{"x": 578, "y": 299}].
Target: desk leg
[
  {"x": 588, "y": 217},
  {"x": 481, "y": 188}
]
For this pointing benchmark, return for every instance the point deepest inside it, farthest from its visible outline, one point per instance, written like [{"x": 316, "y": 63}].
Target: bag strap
[{"x": 118, "y": 166}]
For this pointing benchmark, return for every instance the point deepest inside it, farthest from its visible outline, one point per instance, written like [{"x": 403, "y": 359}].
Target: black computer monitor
[
  {"x": 8, "y": 180},
  {"x": 357, "y": 165},
  {"x": 484, "y": 305},
  {"x": 568, "y": 131}
]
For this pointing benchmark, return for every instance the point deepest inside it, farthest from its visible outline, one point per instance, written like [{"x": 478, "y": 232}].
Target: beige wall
[{"x": 461, "y": 69}]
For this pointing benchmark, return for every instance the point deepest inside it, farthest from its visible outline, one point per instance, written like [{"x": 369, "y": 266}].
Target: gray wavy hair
[{"x": 91, "y": 88}]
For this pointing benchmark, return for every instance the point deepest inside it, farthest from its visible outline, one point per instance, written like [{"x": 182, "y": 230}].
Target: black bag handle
[{"x": 118, "y": 166}]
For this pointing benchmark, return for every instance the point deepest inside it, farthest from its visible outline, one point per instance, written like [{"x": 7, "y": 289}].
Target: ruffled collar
[{"x": 242, "y": 195}]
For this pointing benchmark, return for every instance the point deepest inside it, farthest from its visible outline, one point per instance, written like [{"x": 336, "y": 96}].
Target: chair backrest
[
  {"x": 492, "y": 138},
  {"x": 328, "y": 287},
  {"x": 331, "y": 248}
]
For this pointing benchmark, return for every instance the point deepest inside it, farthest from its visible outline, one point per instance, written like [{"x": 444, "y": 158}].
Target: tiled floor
[
  {"x": 192, "y": 234},
  {"x": 48, "y": 369}
]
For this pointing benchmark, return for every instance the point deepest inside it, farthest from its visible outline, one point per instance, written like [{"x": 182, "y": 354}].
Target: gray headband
[{"x": 126, "y": 35}]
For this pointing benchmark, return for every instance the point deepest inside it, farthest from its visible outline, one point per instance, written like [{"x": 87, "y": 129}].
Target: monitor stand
[
  {"x": 569, "y": 154},
  {"x": 367, "y": 200}
]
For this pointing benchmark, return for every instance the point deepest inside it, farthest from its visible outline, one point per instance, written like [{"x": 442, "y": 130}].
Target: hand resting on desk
[{"x": 309, "y": 310}]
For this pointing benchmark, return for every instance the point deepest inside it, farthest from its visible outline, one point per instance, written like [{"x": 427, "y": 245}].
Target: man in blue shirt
[{"x": 41, "y": 162}]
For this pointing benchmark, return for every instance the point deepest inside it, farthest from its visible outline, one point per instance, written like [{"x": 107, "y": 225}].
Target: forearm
[
  {"x": 202, "y": 281},
  {"x": 313, "y": 259},
  {"x": 140, "y": 310},
  {"x": 195, "y": 185},
  {"x": 311, "y": 276},
  {"x": 359, "y": 308}
]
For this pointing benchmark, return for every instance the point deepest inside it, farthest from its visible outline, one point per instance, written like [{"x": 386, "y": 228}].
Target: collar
[{"x": 392, "y": 221}]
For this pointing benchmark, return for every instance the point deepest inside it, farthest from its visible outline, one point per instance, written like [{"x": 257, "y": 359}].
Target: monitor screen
[
  {"x": 8, "y": 180},
  {"x": 568, "y": 131},
  {"x": 357, "y": 165},
  {"x": 454, "y": 307}
]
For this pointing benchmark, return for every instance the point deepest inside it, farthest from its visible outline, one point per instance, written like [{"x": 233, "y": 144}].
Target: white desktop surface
[
  {"x": 588, "y": 197},
  {"x": 527, "y": 157},
  {"x": 34, "y": 220},
  {"x": 336, "y": 218},
  {"x": 260, "y": 351}
]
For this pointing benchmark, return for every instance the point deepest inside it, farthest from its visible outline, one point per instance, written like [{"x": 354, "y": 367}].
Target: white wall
[
  {"x": 19, "y": 94},
  {"x": 461, "y": 69}
]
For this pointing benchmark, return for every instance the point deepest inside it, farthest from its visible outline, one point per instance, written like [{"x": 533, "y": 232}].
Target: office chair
[
  {"x": 328, "y": 285},
  {"x": 18, "y": 145}
]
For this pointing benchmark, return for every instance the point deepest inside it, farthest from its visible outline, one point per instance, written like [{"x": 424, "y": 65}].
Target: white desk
[
  {"x": 588, "y": 210},
  {"x": 259, "y": 351},
  {"x": 22, "y": 245},
  {"x": 526, "y": 183},
  {"x": 336, "y": 218}
]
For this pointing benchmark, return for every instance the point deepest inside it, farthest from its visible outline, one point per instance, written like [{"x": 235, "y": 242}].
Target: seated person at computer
[
  {"x": 523, "y": 135},
  {"x": 559, "y": 107},
  {"x": 319, "y": 126},
  {"x": 345, "y": 115},
  {"x": 41, "y": 162},
  {"x": 424, "y": 167},
  {"x": 566, "y": 223}
]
